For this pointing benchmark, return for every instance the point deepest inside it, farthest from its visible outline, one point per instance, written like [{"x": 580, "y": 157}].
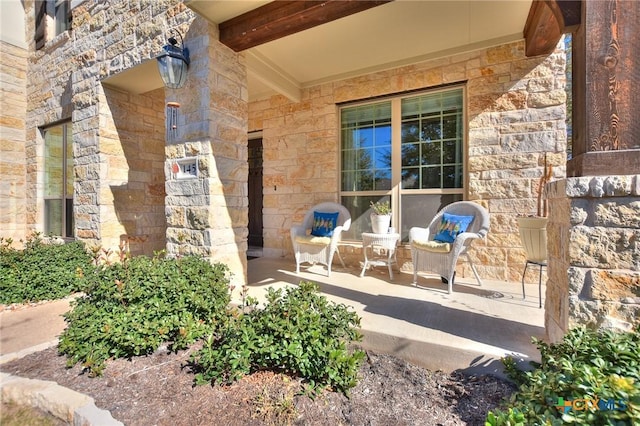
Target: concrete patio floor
[{"x": 468, "y": 330}]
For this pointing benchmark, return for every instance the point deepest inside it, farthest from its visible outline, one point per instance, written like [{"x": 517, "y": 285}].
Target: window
[
  {"x": 408, "y": 150},
  {"x": 58, "y": 181},
  {"x": 52, "y": 17},
  {"x": 62, "y": 15},
  {"x": 568, "y": 49}
]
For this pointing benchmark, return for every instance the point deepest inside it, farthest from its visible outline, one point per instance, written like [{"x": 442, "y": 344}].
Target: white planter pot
[
  {"x": 533, "y": 235},
  {"x": 380, "y": 223}
]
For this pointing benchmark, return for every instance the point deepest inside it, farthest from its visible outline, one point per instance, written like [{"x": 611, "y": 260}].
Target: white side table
[{"x": 385, "y": 241}]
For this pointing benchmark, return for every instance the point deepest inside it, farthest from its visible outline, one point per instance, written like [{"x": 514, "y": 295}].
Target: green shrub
[
  {"x": 505, "y": 418},
  {"x": 298, "y": 332},
  {"x": 590, "y": 378},
  {"x": 42, "y": 271},
  {"x": 131, "y": 308}
]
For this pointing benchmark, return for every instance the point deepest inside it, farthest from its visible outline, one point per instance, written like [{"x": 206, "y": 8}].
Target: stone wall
[
  {"x": 594, "y": 253},
  {"x": 118, "y": 138},
  {"x": 13, "y": 92},
  {"x": 132, "y": 181},
  {"x": 207, "y": 213},
  {"x": 124, "y": 188},
  {"x": 516, "y": 115},
  {"x": 49, "y": 101}
]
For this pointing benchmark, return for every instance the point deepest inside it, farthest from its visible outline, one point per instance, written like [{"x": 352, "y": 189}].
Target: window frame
[
  {"x": 48, "y": 25},
  {"x": 395, "y": 193},
  {"x": 66, "y": 216}
]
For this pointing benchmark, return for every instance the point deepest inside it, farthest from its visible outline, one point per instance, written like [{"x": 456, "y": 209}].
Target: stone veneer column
[
  {"x": 594, "y": 226},
  {"x": 208, "y": 214},
  {"x": 13, "y": 91},
  {"x": 594, "y": 253}
]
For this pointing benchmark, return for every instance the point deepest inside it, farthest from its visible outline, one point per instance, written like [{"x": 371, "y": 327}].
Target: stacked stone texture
[
  {"x": 122, "y": 166},
  {"x": 516, "y": 115},
  {"x": 132, "y": 191},
  {"x": 208, "y": 215},
  {"x": 118, "y": 137},
  {"x": 13, "y": 92},
  {"x": 594, "y": 245}
]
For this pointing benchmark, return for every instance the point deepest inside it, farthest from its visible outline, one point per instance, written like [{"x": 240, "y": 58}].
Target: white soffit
[
  {"x": 140, "y": 79},
  {"x": 218, "y": 11},
  {"x": 266, "y": 78},
  {"x": 398, "y": 33}
]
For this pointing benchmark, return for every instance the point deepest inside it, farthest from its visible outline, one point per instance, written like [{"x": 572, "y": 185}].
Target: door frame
[{"x": 255, "y": 194}]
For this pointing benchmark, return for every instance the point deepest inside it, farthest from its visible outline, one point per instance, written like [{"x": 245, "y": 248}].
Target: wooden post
[{"x": 606, "y": 90}]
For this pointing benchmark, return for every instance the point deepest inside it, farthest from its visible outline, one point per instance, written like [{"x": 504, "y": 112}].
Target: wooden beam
[
  {"x": 547, "y": 21},
  {"x": 282, "y": 18},
  {"x": 604, "y": 163}
]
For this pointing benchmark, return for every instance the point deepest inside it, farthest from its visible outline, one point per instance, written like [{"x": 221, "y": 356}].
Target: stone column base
[{"x": 594, "y": 253}]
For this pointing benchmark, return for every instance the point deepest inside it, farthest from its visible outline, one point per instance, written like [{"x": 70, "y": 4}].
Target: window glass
[
  {"x": 366, "y": 148},
  {"x": 68, "y": 162},
  {"x": 61, "y": 14},
  {"x": 436, "y": 121},
  {"x": 54, "y": 160},
  {"x": 53, "y": 217},
  {"x": 419, "y": 209},
  {"x": 52, "y": 18},
  {"x": 58, "y": 181},
  {"x": 429, "y": 171},
  {"x": 358, "y": 206}
]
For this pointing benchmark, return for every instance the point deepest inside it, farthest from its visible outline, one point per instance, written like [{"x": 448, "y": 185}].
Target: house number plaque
[{"x": 186, "y": 168}]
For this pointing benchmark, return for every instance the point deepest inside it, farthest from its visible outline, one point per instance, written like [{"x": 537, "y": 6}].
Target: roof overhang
[
  {"x": 285, "y": 56},
  {"x": 141, "y": 78},
  {"x": 382, "y": 36}
]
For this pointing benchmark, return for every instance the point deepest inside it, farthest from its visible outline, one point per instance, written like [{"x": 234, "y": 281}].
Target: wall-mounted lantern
[{"x": 173, "y": 63}]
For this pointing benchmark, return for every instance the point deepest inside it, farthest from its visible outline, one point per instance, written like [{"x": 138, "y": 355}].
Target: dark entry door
[{"x": 255, "y": 193}]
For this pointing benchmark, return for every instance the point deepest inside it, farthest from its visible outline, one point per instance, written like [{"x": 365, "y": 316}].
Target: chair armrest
[
  {"x": 337, "y": 234},
  {"x": 464, "y": 239},
  {"x": 417, "y": 233}
]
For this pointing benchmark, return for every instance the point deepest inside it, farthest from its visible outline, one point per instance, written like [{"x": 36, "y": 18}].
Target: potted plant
[
  {"x": 533, "y": 229},
  {"x": 380, "y": 216}
]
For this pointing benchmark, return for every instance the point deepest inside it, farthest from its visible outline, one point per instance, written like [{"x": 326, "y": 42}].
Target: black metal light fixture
[{"x": 173, "y": 63}]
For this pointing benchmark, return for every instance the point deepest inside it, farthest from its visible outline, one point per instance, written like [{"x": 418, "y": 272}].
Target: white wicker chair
[
  {"x": 307, "y": 248},
  {"x": 440, "y": 258}
]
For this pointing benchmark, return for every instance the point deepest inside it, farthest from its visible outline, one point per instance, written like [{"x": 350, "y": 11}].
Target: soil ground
[{"x": 158, "y": 390}]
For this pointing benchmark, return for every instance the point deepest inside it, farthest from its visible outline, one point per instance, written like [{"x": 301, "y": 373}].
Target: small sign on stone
[{"x": 186, "y": 168}]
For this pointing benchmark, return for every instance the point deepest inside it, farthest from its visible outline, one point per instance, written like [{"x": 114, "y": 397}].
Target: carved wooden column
[{"x": 606, "y": 97}]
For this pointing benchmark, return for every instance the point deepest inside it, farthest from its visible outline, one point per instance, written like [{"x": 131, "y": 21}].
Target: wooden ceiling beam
[
  {"x": 548, "y": 20},
  {"x": 282, "y": 18}
]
